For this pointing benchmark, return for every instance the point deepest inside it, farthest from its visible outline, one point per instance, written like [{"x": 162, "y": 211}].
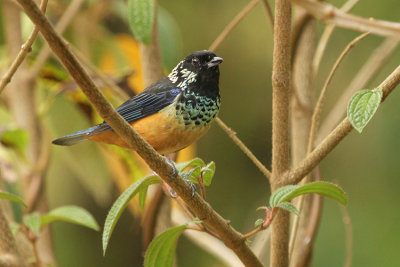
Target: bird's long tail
[{"x": 75, "y": 138}]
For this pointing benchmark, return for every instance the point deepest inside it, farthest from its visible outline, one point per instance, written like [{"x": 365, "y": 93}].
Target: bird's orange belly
[{"x": 162, "y": 130}]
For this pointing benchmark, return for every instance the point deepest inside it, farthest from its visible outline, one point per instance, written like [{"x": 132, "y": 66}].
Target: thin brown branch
[
  {"x": 150, "y": 56},
  {"x": 331, "y": 15},
  {"x": 281, "y": 69},
  {"x": 368, "y": 71},
  {"x": 336, "y": 136},
  {"x": 325, "y": 36},
  {"x": 25, "y": 49},
  {"x": 60, "y": 27},
  {"x": 221, "y": 37},
  {"x": 243, "y": 147},
  {"x": 158, "y": 163},
  {"x": 269, "y": 12},
  {"x": 318, "y": 107},
  {"x": 301, "y": 113},
  {"x": 349, "y": 235}
]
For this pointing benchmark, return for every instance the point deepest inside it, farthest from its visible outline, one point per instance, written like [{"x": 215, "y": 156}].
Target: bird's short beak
[{"x": 214, "y": 62}]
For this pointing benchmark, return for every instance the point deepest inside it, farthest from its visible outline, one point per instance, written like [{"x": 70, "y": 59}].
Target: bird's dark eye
[{"x": 195, "y": 61}]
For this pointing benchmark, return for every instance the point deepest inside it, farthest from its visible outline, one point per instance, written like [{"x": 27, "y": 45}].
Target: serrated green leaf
[
  {"x": 12, "y": 197},
  {"x": 71, "y": 214},
  {"x": 322, "y": 188},
  {"x": 161, "y": 250},
  {"x": 258, "y": 222},
  {"x": 121, "y": 203},
  {"x": 196, "y": 162},
  {"x": 208, "y": 173},
  {"x": 289, "y": 207},
  {"x": 362, "y": 107},
  {"x": 32, "y": 221},
  {"x": 280, "y": 194},
  {"x": 141, "y": 19},
  {"x": 16, "y": 138}
]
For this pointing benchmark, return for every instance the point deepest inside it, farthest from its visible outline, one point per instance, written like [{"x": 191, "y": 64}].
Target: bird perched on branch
[{"x": 170, "y": 114}]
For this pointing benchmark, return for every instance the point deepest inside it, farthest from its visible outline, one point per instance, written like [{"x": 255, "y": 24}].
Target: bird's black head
[{"x": 198, "y": 71}]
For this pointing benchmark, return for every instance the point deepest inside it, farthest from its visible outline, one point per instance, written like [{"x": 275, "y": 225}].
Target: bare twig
[
  {"x": 269, "y": 12},
  {"x": 150, "y": 56},
  {"x": 323, "y": 42},
  {"x": 60, "y": 27},
  {"x": 221, "y": 37},
  {"x": 349, "y": 235},
  {"x": 158, "y": 163},
  {"x": 281, "y": 68},
  {"x": 337, "y": 135},
  {"x": 243, "y": 147},
  {"x": 318, "y": 107},
  {"x": 373, "y": 64},
  {"x": 331, "y": 15},
  {"x": 25, "y": 49}
]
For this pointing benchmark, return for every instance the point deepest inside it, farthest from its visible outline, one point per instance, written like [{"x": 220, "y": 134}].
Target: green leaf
[
  {"x": 142, "y": 197},
  {"x": 322, "y": 188},
  {"x": 121, "y": 203},
  {"x": 12, "y": 197},
  {"x": 192, "y": 175},
  {"x": 362, "y": 107},
  {"x": 280, "y": 193},
  {"x": 161, "y": 250},
  {"x": 289, "y": 207},
  {"x": 258, "y": 222},
  {"x": 32, "y": 221},
  {"x": 14, "y": 227},
  {"x": 287, "y": 193},
  {"x": 141, "y": 19},
  {"x": 71, "y": 214},
  {"x": 15, "y": 138},
  {"x": 208, "y": 173},
  {"x": 192, "y": 163}
]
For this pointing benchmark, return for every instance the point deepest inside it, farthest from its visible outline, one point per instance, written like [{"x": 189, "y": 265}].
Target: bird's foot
[{"x": 175, "y": 172}]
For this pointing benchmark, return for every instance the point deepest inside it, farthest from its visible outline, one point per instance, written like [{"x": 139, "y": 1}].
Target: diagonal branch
[
  {"x": 332, "y": 15},
  {"x": 337, "y": 135},
  {"x": 25, "y": 49},
  {"x": 158, "y": 163}
]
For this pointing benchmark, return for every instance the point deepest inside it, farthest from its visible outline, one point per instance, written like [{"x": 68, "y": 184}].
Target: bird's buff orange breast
[{"x": 162, "y": 130}]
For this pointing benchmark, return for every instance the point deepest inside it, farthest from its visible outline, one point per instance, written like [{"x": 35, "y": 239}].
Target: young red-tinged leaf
[
  {"x": 121, "y": 203},
  {"x": 12, "y": 197},
  {"x": 362, "y": 107},
  {"x": 32, "y": 221},
  {"x": 71, "y": 214},
  {"x": 160, "y": 252},
  {"x": 289, "y": 207},
  {"x": 258, "y": 222},
  {"x": 141, "y": 19}
]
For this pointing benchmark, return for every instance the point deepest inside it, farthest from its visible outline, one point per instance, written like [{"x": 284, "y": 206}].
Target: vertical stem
[
  {"x": 280, "y": 126},
  {"x": 21, "y": 98},
  {"x": 150, "y": 56}
]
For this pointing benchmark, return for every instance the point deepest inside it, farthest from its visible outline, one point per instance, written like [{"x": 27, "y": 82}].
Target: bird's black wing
[{"x": 153, "y": 99}]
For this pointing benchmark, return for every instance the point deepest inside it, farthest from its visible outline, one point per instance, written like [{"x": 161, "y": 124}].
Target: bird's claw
[{"x": 175, "y": 172}]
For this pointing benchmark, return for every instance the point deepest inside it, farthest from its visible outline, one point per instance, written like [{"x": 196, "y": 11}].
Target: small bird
[{"x": 170, "y": 114}]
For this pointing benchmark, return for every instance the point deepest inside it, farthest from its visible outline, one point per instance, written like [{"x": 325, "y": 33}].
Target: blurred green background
[{"x": 366, "y": 166}]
